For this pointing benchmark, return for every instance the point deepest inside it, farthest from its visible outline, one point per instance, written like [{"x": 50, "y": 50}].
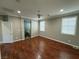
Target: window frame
[{"x": 42, "y": 26}]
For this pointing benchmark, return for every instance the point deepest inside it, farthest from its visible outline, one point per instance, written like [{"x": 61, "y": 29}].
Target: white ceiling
[{"x": 29, "y": 7}]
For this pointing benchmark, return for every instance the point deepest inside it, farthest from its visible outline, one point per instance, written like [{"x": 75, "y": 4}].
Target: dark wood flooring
[{"x": 38, "y": 48}]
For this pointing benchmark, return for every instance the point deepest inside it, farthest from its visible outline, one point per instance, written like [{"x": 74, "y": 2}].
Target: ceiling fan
[{"x": 40, "y": 16}]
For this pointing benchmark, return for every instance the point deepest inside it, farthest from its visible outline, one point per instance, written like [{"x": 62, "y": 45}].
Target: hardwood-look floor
[{"x": 38, "y": 48}]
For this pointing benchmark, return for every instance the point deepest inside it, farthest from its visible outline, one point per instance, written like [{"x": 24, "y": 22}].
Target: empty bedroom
[{"x": 39, "y": 29}]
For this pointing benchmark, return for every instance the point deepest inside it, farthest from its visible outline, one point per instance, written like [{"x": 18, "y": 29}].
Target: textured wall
[{"x": 53, "y": 30}]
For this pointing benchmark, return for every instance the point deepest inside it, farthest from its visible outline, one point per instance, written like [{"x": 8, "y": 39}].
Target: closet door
[{"x": 7, "y": 36}]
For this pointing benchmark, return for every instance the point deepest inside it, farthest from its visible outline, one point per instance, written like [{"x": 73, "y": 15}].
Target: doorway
[{"x": 27, "y": 28}]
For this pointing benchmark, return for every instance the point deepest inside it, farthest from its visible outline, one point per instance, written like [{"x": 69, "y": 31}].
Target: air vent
[{"x": 5, "y": 17}]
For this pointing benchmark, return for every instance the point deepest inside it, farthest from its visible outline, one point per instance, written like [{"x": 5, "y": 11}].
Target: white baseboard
[
  {"x": 34, "y": 36},
  {"x": 18, "y": 40},
  {"x": 11, "y": 41},
  {"x": 23, "y": 39},
  {"x": 74, "y": 46}
]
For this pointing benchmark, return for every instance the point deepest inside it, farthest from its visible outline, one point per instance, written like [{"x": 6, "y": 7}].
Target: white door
[{"x": 7, "y": 32}]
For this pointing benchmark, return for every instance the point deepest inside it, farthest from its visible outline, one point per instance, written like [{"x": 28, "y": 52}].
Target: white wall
[
  {"x": 0, "y": 30},
  {"x": 34, "y": 28},
  {"x": 17, "y": 27},
  {"x": 53, "y": 31}
]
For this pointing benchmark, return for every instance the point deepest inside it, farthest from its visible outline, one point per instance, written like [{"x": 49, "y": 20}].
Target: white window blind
[{"x": 69, "y": 25}]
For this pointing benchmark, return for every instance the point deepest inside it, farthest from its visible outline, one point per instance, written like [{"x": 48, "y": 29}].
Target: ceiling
[{"x": 29, "y": 8}]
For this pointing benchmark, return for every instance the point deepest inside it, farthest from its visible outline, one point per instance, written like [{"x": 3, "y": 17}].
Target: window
[
  {"x": 42, "y": 25},
  {"x": 69, "y": 25}
]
